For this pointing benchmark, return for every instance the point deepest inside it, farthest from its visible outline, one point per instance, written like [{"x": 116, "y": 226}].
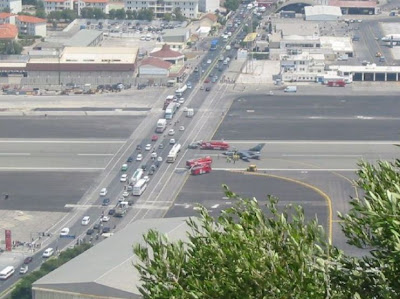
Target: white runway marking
[
  {"x": 361, "y": 142},
  {"x": 319, "y": 156},
  {"x": 51, "y": 168},
  {"x": 60, "y": 141},
  {"x": 15, "y": 154},
  {"x": 95, "y": 154}
]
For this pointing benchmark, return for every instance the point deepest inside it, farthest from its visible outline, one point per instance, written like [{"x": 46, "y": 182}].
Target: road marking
[
  {"x": 286, "y": 169},
  {"x": 81, "y": 206},
  {"x": 361, "y": 142},
  {"x": 51, "y": 168},
  {"x": 327, "y": 156},
  {"x": 15, "y": 154},
  {"x": 95, "y": 154},
  {"x": 215, "y": 206},
  {"x": 60, "y": 141}
]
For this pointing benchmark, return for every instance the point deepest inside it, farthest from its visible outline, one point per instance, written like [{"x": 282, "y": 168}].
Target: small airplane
[
  {"x": 245, "y": 155},
  {"x": 391, "y": 38}
]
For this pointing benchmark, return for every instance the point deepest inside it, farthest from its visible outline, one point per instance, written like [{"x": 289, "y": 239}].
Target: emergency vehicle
[
  {"x": 336, "y": 83},
  {"x": 214, "y": 145},
  {"x": 200, "y": 169},
  {"x": 202, "y": 160}
]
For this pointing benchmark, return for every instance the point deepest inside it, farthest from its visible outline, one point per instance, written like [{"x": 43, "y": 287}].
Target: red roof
[
  {"x": 210, "y": 16},
  {"x": 55, "y": 0},
  {"x": 8, "y": 31},
  {"x": 357, "y": 4},
  {"x": 4, "y": 15},
  {"x": 30, "y": 19},
  {"x": 166, "y": 52},
  {"x": 156, "y": 62}
]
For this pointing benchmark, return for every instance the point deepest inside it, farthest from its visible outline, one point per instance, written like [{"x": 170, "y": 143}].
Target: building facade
[
  {"x": 189, "y": 8},
  {"x": 101, "y": 4},
  {"x": 208, "y": 5},
  {"x": 15, "y": 6},
  {"x": 57, "y": 5},
  {"x": 32, "y": 26},
  {"x": 301, "y": 67}
]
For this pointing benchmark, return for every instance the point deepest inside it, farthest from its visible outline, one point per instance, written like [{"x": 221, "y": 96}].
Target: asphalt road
[
  {"x": 261, "y": 117},
  {"x": 111, "y": 127}
]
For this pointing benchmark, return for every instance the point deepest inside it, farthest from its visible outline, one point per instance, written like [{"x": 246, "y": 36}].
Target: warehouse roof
[
  {"x": 322, "y": 10},
  {"x": 103, "y": 55},
  {"x": 156, "y": 62},
  {"x": 107, "y": 269},
  {"x": 83, "y": 38},
  {"x": 175, "y": 32},
  {"x": 300, "y": 27}
]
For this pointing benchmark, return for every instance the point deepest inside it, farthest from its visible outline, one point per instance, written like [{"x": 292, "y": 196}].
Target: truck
[
  {"x": 173, "y": 153},
  {"x": 336, "y": 83},
  {"x": 291, "y": 88},
  {"x": 214, "y": 44},
  {"x": 190, "y": 112},
  {"x": 200, "y": 169},
  {"x": 214, "y": 145},
  {"x": 170, "y": 111},
  {"x": 120, "y": 209},
  {"x": 161, "y": 125},
  {"x": 179, "y": 92},
  {"x": 198, "y": 161},
  {"x": 169, "y": 99}
]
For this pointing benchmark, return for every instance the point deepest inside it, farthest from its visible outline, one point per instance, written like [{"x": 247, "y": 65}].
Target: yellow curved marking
[{"x": 319, "y": 191}]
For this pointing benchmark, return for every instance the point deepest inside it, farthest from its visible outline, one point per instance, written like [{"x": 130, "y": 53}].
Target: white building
[
  {"x": 189, "y": 8},
  {"x": 301, "y": 67},
  {"x": 57, "y": 5},
  {"x": 322, "y": 13},
  {"x": 101, "y": 4},
  {"x": 15, "y": 6},
  {"x": 29, "y": 25},
  {"x": 208, "y": 5}
]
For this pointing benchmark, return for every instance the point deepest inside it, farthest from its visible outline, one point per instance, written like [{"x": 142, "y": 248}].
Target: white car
[
  {"x": 171, "y": 132},
  {"x": 125, "y": 194},
  {"x": 48, "y": 252},
  {"x": 139, "y": 157},
  {"x": 105, "y": 218},
  {"x": 154, "y": 155},
  {"x": 148, "y": 147},
  {"x": 123, "y": 177},
  {"x": 64, "y": 231},
  {"x": 181, "y": 101},
  {"x": 185, "y": 109},
  {"x": 208, "y": 61},
  {"x": 103, "y": 192},
  {"x": 85, "y": 220},
  {"x": 181, "y": 128},
  {"x": 159, "y": 159},
  {"x": 172, "y": 141},
  {"x": 24, "y": 269},
  {"x": 146, "y": 178}
]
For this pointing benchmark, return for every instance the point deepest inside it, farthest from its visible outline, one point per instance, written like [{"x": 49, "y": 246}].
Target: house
[
  {"x": 57, "y": 5},
  {"x": 101, "y": 4},
  {"x": 154, "y": 67},
  {"x": 7, "y": 18},
  {"x": 208, "y": 20},
  {"x": 169, "y": 55},
  {"x": 29, "y": 25},
  {"x": 15, "y": 6},
  {"x": 8, "y": 32}
]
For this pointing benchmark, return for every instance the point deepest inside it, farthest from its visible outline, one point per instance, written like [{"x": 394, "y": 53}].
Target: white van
[
  {"x": 290, "y": 89},
  {"x": 48, "y": 252},
  {"x": 103, "y": 192},
  {"x": 85, "y": 220},
  {"x": 7, "y": 272}
]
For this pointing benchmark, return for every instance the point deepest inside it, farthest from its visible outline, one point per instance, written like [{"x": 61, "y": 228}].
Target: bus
[
  {"x": 139, "y": 187},
  {"x": 173, "y": 153},
  {"x": 170, "y": 111},
  {"x": 137, "y": 175},
  {"x": 7, "y": 272}
]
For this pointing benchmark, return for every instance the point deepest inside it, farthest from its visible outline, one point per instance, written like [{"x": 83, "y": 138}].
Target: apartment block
[
  {"x": 101, "y": 4},
  {"x": 15, "y": 6},
  {"x": 189, "y": 8},
  {"x": 57, "y": 5}
]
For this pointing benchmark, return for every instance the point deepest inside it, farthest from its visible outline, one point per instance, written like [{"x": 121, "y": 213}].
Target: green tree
[
  {"x": 29, "y": 2},
  {"x": 131, "y": 14},
  {"x": 145, "y": 14},
  {"x": 69, "y": 14},
  {"x": 6, "y": 9},
  {"x": 10, "y": 48},
  {"x": 242, "y": 254},
  {"x": 40, "y": 13},
  {"x": 112, "y": 14},
  {"x": 231, "y": 4},
  {"x": 167, "y": 17},
  {"x": 87, "y": 13},
  {"x": 54, "y": 16},
  {"x": 178, "y": 15},
  {"x": 120, "y": 14}
]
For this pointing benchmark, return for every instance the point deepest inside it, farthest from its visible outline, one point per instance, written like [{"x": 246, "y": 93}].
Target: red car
[
  {"x": 207, "y": 81},
  {"x": 154, "y": 138}
]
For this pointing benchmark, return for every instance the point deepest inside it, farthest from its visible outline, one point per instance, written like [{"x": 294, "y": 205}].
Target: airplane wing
[{"x": 245, "y": 156}]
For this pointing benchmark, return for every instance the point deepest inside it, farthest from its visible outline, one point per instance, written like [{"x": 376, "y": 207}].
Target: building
[
  {"x": 208, "y": 5},
  {"x": 301, "y": 67},
  {"x": 107, "y": 269},
  {"x": 189, "y": 8},
  {"x": 322, "y": 13},
  {"x": 166, "y": 54},
  {"x": 208, "y": 20},
  {"x": 29, "y": 25},
  {"x": 176, "y": 38},
  {"x": 8, "y": 32},
  {"x": 370, "y": 72},
  {"x": 7, "y": 18},
  {"x": 356, "y": 7},
  {"x": 15, "y": 6},
  {"x": 47, "y": 49},
  {"x": 57, "y": 5},
  {"x": 153, "y": 67},
  {"x": 101, "y": 4},
  {"x": 85, "y": 38},
  {"x": 339, "y": 45}
]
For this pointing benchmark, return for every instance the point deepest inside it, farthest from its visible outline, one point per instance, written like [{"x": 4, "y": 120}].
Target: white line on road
[
  {"x": 50, "y": 168},
  {"x": 361, "y": 142},
  {"x": 285, "y": 169},
  {"x": 318, "y": 156},
  {"x": 95, "y": 154},
  {"x": 60, "y": 141},
  {"x": 15, "y": 154}
]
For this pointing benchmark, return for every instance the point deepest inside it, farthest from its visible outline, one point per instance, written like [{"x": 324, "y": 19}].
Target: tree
[
  {"x": 131, "y": 14},
  {"x": 69, "y": 14},
  {"x": 29, "y": 2},
  {"x": 6, "y": 9},
  {"x": 242, "y": 254},
  {"x": 232, "y": 4},
  {"x": 10, "y": 48},
  {"x": 54, "y": 16},
  {"x": 120, "y": 14},
  {"x": 40, "y": 13},
  {"x": 178, "y": 15},
  {"x": 145, "y": 14},
  {"x": 167, "y": 17},
  {"x": 111, "y": 14}
]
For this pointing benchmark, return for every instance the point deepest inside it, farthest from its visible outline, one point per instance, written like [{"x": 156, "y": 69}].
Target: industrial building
[
  {"x": 370, "y": 72},
  {"x": 322, "y": 13},
  {"x": 176, "y": 38},
  {"x": 356, "y": 7},
  {"x": 107, "y": 269}
]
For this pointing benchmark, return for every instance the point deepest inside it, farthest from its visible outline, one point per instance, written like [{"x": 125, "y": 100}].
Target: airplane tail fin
[{"x": 257, "y": 148}]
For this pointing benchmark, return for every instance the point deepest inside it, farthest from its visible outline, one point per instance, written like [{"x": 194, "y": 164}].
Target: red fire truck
[
  {"x": 336, "y": 83},
  {"x": 169, "y": 100},
  {"x": 200, "y": 169},
  {"x": 202, "y": 160},
  {"x": 214, "y": 145}
]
